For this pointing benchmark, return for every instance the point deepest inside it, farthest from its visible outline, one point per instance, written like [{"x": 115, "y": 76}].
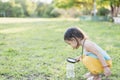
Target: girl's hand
[
  {"x": 107, "y": 71},
  {"x": 78, "y": 59}
]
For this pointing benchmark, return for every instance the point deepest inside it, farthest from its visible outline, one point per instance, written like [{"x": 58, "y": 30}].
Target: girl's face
[{"x": 72, "y": 43}]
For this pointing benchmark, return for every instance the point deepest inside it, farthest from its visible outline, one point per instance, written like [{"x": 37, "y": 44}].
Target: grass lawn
[{"x": 34, "y": 49}]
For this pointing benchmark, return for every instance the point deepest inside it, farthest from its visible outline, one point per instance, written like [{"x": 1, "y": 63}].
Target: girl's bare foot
[
  {"x": 97, "y": 77},
  {"x": 87, "y": 75},
  {"x": 90, "y": 78}
]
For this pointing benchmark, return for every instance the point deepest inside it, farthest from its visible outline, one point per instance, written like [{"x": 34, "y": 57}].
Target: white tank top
[{"x": 101, "y": 51}]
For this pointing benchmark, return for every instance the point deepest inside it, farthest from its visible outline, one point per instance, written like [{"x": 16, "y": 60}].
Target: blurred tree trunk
[
  {"x": 114, "y": 10},
  {"x": 94, "y": 7}
]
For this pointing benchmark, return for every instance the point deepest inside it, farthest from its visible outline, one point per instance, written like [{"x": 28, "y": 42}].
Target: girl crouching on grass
[{"x": 95, "y": 59}]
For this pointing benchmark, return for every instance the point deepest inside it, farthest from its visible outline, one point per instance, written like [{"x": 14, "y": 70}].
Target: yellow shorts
[{"x": 94, "y": 65}]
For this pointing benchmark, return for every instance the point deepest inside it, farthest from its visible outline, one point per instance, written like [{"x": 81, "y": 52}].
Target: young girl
[{"x": 95, "y": 59}]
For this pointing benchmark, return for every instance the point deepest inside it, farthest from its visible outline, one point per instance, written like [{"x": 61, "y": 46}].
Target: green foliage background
[{"x": 27, "y": 8}]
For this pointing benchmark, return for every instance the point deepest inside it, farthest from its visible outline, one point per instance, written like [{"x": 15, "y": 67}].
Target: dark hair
[{"x": 74, "y": 32}]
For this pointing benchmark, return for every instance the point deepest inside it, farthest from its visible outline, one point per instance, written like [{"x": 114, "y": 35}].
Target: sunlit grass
[
  {"x": 14, "y": 30},
  {"x": 35, "y": 50}
]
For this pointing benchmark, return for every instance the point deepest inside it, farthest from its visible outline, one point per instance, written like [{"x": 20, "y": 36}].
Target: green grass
[{"x": 36, "y": 50}]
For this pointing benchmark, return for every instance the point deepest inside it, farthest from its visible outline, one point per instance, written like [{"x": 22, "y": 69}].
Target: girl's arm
[{"x": 89, "y": 46}]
